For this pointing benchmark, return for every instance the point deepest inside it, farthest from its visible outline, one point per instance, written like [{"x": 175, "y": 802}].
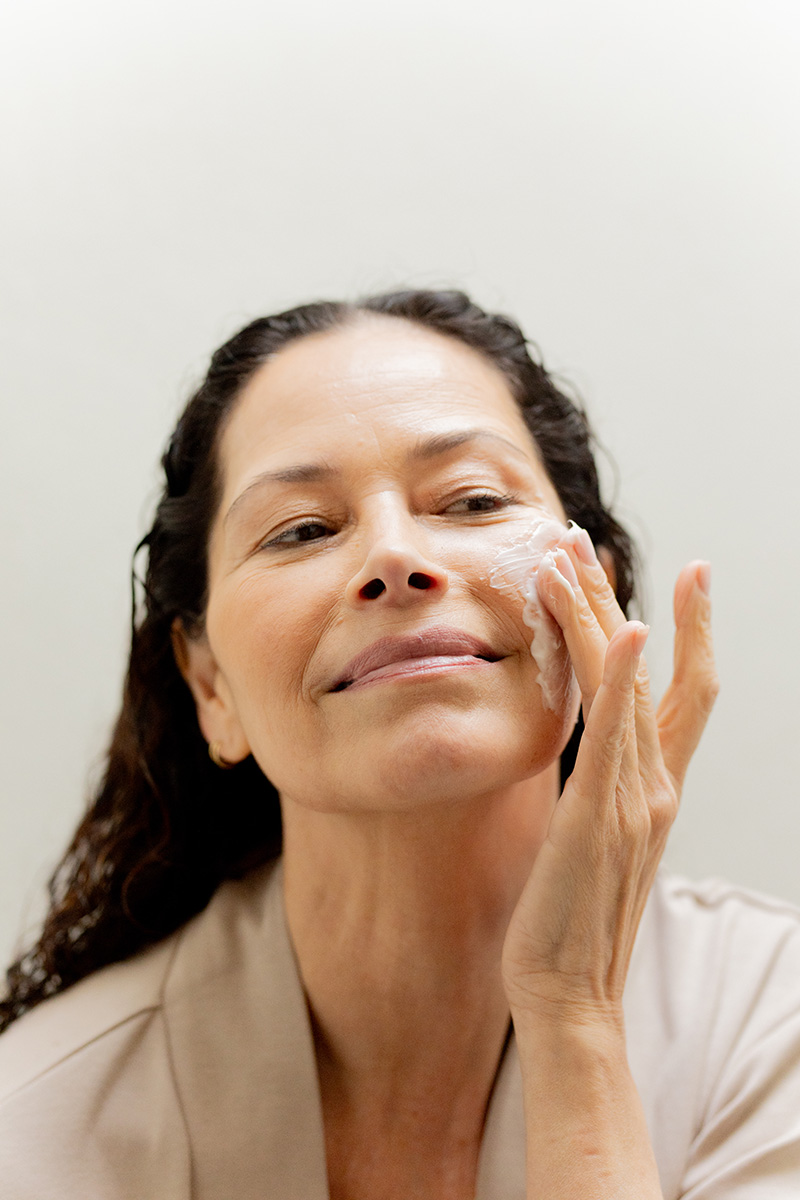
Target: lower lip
[{"x": 418, "y": 668}]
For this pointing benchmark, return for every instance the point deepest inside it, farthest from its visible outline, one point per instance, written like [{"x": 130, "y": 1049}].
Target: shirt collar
[{"x": 242, "y": 1050}]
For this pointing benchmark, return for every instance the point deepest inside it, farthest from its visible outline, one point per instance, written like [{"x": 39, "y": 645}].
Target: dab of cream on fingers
[{"x": 516, "y": 570}]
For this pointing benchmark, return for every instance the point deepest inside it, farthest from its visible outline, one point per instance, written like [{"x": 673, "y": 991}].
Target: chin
[{"x": 452, "y": 757}]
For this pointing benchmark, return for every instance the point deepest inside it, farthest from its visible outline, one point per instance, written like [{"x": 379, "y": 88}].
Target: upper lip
[{"x": 424, "y": 643}]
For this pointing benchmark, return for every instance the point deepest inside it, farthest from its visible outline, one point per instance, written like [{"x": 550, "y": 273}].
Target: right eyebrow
[{"x": 299, "y": 473}]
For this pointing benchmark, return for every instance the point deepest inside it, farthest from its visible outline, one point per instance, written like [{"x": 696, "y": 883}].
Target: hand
[{"x": 569, "y": 942}]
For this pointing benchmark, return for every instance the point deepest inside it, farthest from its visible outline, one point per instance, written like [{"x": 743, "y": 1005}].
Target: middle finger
[{"x": 560, "y": 591}]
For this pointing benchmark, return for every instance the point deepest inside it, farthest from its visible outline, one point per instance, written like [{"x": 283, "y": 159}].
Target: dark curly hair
[{"x": 166, "y": 826}]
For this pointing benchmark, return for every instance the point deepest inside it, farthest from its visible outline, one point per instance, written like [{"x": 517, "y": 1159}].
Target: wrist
[
  {"x": 586, "y": 1131},
  {"x": 570, "y": 1026},
  {"x": 546, "y": 1002}
]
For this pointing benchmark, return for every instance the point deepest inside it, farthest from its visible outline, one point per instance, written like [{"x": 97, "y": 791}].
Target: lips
[{"x": 437, "y": 642}]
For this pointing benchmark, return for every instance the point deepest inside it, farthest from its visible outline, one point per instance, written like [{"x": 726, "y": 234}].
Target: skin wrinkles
[
  {"x": 505, "y": 608},
  {"x": 270, "y": 694},
  {"x": 319, "y": 472},
  {"x": 425, "y": 450},
  {"x": 325, "y": 490}
]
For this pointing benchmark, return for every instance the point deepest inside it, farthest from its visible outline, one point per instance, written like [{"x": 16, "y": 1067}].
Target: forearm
[{"x": 586, "y": 1137}]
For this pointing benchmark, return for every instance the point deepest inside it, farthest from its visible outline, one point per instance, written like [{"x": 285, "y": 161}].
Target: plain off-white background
[{"x": 623, "y": 176}]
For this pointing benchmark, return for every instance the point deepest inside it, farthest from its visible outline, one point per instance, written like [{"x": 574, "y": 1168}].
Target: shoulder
[
  {"x": 718, "y": 930},
  {"x": 94, "y": 1010},
  {"x": 717, "y": 949},
  {"x": 73, "y": 1074},
  {"x": 713, "y": 1019},
  {"x": 90, "y": 1105},
  {"x": 116, "y": 1003},
  {"x": 719, "y": 899}
]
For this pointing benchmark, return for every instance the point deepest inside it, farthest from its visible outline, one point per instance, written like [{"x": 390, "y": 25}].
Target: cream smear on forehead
[{"x": 516, "y": 570}]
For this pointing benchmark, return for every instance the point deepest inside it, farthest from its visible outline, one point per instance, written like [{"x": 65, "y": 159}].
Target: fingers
[
  {"x": 587, "y": 611},
  {"x": 575, "y": 589},
  {"x": 609, "y": 736},
  {"x": 687, "y": 703},
  {"x": 598, "y": 589},
  {"x": 562, "y": 595},
  {"x": 594, "y": 579}
]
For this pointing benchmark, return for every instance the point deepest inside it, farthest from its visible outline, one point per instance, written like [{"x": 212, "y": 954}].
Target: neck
[{"x": 398, "y": 921}]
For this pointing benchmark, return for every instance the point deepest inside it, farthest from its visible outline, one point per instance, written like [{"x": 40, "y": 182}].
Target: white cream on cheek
[{"x": 515, "y": 571}]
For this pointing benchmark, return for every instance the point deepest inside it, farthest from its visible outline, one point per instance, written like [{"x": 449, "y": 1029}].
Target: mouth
[{"x": 425, "y": 652}]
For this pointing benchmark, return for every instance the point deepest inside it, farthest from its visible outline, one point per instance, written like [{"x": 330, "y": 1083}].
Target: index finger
[{"x": 594, "y": 579}]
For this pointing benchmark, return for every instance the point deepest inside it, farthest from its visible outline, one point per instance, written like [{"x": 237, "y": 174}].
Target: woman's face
[{"x": 370, "y": 477}]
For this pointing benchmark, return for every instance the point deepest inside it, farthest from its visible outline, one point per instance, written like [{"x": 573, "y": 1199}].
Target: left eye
[
  {"x": 480, "y": 502},
  {"x": 306, "y": 531}
]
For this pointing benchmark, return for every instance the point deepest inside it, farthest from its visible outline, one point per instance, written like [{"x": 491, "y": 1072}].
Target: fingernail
[
  {"x": 583, "y": 546},
  {"x": 640, "y": 638},
  {"x": 704, "y": 578},
  {"x": 564, "y": 564}
]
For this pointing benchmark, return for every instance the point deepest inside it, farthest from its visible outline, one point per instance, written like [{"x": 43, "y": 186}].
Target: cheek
[
  {"x": 545, "y": 721},
  {"x": 514, "y": 573},
  {"x": 262, "y": 637}
]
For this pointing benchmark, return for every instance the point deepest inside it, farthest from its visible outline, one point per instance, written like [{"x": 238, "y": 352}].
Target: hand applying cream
[{"x": 516, "y": 569}]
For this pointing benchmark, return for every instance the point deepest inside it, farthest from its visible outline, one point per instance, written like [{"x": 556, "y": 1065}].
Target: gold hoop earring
[{"x": 216, "y": 757}]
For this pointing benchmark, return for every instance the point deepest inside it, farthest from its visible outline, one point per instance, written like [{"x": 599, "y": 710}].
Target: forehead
[{"x": 377, "y": 378}]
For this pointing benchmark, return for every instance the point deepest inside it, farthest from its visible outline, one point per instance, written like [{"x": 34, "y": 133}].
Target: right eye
[{"x": 304, "y": 531}]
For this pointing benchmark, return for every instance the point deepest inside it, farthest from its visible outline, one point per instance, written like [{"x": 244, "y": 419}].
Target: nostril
[
  {"x": 373, "y": 589},
  {"x": 417, "y": 580}
]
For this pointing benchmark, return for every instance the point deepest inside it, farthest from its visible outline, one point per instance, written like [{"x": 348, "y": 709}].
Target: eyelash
[
  {"x": 498, "y": 503},
  {"x": 283, "y": 539}
]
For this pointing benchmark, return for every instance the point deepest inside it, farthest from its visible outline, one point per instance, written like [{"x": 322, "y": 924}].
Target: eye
[
  {"x": 480, "y": 502},
  {"x": 304, "y": 531}
]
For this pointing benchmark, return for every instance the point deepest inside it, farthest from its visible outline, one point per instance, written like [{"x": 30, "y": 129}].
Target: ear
[
  {"x": 216, "y": 711},
  {"x": 607, "y": 563}
]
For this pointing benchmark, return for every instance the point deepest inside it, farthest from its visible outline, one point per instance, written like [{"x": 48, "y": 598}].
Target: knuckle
[
  {"x": 644, "y": 698},
  {"x": 607, "y": 748},
  {"x": 586, "y": 617},
  {"x": 663, "y": 808},
  {"x": 707, "y": 690},
  {"x": 605, "y": 598},
  {"x": 638, "y": 824},
  {"x": 662, "y": 819}
]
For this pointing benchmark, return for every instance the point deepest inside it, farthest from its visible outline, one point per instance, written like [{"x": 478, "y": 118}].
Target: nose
[{"x": 396, "y": 570}]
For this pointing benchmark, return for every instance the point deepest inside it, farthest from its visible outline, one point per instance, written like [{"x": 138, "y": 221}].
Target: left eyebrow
[{"x": 443, "y": 443}]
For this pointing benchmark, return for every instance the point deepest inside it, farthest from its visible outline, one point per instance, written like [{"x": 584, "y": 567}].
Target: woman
[{"x": 423, "y": 995}]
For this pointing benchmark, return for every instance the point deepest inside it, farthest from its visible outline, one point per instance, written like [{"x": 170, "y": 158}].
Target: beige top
[{"x": 188, "y": 1073}]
